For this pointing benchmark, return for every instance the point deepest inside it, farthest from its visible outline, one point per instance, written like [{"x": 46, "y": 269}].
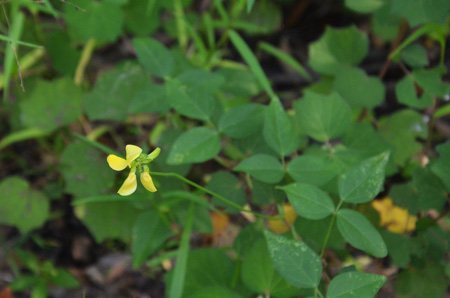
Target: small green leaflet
[
  {"x": 263, "y": 167},
  {"x": 154, "y": 56},
  {"x": 355, "y": 284}
]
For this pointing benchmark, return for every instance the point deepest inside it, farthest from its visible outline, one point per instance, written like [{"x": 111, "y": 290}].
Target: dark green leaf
[
  {"x": 196, "y": 145},
  {"x": 262, "y": 167},
  {"x": 152, "y": 99},
  {"x": 441, "y": 167},
  {"x": 422, "y": 11},
  {"x": 322, "y": 117},
  {"x": 415, "y": 56},
  {"x": 309, "y": 201},
  {"x": 294, "y": 261},
  {"x": 51, "y": 104},
  {"x": 360, "y": 233},
  {"x": 278, "y": 130},
  {"x": 364, "y": 6},
  {"x": 242, "y": 121},
  {"x": 313, "y": 170},
  {"x": 338, "y": 48},
  {"x": 228, "y": 186},
  {"x": 358, "y": 89},
  {"x": 154, "y": 56},
  {"x": 355, "y": 285},
  {"x": 432, "y": 193}
]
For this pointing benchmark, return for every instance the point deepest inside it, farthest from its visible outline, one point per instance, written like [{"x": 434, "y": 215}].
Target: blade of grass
[
  {"x": 22, "y": 135},
  {"x": 97, "y": 145},
  {"x": 442, "y": 111},
  {"x": 250, "y": 5},
  {"x": 180, "y": 21},
  {"x": 15, "y": 31},
  {"x": 177, "y": 285},
  {"x": 286, "y": 58},
  {"x": 22, "y": 43},
  {"x": 251, "y": 60}
]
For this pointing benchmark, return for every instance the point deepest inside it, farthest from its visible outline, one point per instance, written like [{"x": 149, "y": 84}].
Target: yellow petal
[
  {"x": 116, "y": 163},
  {"x": 147, "y": 181},
  {"x": 133, "y": 152},
  {"x": 128, "y": 186},
  {"x": 280, "y": 226}
]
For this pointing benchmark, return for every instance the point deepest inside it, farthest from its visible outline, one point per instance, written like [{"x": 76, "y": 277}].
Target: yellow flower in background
[
  {"x": 394, "y": 218},
  {"x": 282, "y": 226},
  {"x": 135, "y": 160}
]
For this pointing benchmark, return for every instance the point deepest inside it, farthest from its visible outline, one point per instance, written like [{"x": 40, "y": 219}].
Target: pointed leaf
[
  {"x": 313, "y": 170},
  {"x": 262, "y": 167},
  {"x": 360, "y": 233},
  {"x": 355, "y": 285},
  {"x": 154, "y": 56}
]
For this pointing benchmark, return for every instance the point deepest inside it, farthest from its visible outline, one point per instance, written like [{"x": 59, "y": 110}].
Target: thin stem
[
  {"x": 317, "y": 291},
  {"x": 322, "y": 252},
  {"x": 205, "y": 190}
]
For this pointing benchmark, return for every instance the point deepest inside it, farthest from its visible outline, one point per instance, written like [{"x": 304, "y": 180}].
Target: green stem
[
  {"x": 317, "y": 291},
  {"x": 205, "y": 190},
  {"x": 329, "y": 229}
]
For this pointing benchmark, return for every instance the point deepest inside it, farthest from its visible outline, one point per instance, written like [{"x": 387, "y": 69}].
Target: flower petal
[
  {"x": 116, "y": 163},
  {"x": 128, "y": 186},
  {"x": 133, "y": 152},
  {"x": 147, "y": 181}
]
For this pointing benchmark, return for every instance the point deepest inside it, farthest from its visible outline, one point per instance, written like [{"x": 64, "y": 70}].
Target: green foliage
[{"x": 306, "y": 149}]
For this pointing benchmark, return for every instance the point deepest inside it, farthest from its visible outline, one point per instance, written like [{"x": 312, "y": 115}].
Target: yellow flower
[
  {"x": 394, "y": 218},
  {"x": 135, "y": 160},
  {"x": 282, "y": 226}
]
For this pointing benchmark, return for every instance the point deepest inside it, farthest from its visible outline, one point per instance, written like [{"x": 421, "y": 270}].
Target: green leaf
[
  {"x": 441, "y": 167},
  {"x": 51, "y": 104},
  {"x": 401, "y": 248},
  {"x": 201, "y": 79},
  {"x": 278, "y": 130},
  {"x": 196, "y": 145},
  {"x": 111, "y": 96},
  {"x": 309, "y": 201},
  {"x": 149, "y": 233},
  {"x": 360, "y": 233},
  {"x": 313, "y": 170},
  {"x": 364, "y": 6},
  {"x": 21, "y": 206},
  {"x": 154, "y": 56},
  {"x": 242, "y": 121},
  {"x": 264, "y": 18},
  {"x": 426, "y": 281},
  {"x": 206, "y": 264},
  {"x": 422, "y": 11},
  {"x": 432, "y": 193},
  {"x": 401, "y": 130},
  {"x": 322, "y": 117},
  {"x": 415, "y": 56},
  {"x": 363, "y": 182},
  {"x": 62, "y": 278},
  {"x": 142, "y": 17},
  {"x": 215, "y": 292},
  {"x": 294, "y": 261},
  {"x": 103, "y": 19},
  {"x": 239, "y": 82},
  {"x": 228, "y": 186},
  {"x": 385, "y": 24},
  {"x": 266, "y": 194},
  {"x": 338, "y": 48},
  {"x": 358, "y": 89},
  {"x": 406, "y": 93},
  {"x": 314, "y": 232},
  {"x": 430, "y": 81},
  {"x": 355, "y": 284},
  {"x": 263, "y": 167},
  {"x": 190, "y": 100},
  {"x": 63, "y": 53},
  {"x": 258, "y": 273},
  {"x": 152, "y": 99},
  {"x": 114, "y": 220},
  {"x": 21, "y": 135},
  {"x": 85, "y": 171}
]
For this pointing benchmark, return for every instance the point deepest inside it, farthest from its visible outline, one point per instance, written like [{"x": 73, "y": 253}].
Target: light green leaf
[
  {"x": 154, "y": 56},
  {"x": 278, "y": 130},
  {"x": 113, "y": 91},
  {"x": 338, "y": 48},
  {"x": 309, "y": 201},
  {"x": 239, "y": 82},
  {"x": 149, "y": 233},
  {"x": 242, "y": 121},
  {"x": 294, "y": 261},
  {"x": 114, "y": 220},
  {"x": 358, "y": 89},
  {"x": 51, "y": 104},
  {"x": 363, "y": 182},
  {"x": 322, "y": 117},
  {"x": 355, "y": 285},
  {"x": 415, "y": 56},
  {"x": 196, "y": 145},
  {"x": 21, "y": 135},
  {"x": 262, "y": 167},
  {"x": 406, "y": 93},
  {"x": 360, "y": 233},
  {"x": 21, "y": 206},
  {"x": 103, "y": 19},
  {"x": 364, "y": 6},
  {"x": 85, "y": 170}
]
